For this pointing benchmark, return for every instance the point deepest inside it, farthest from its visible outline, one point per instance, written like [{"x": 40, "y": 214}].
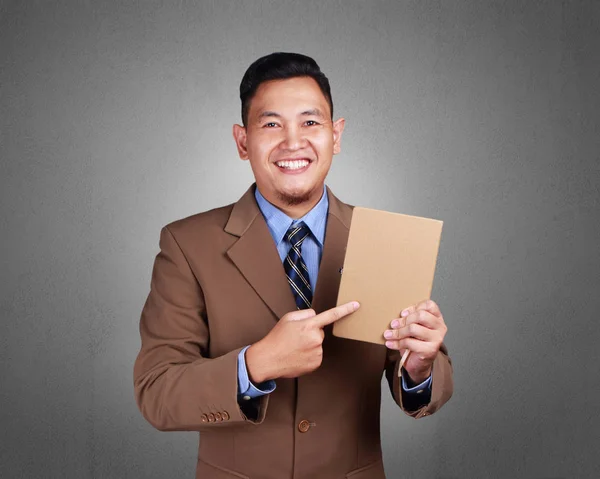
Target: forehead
[{"x": 288, "y": 95}]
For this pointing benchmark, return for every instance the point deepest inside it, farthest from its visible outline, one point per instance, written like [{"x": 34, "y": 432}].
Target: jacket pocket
[
  {"x": 370, "y": 471},
  {"x": 205, "y": 470}
]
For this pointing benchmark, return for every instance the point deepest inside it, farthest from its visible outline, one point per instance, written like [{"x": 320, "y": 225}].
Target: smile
[{"x": 293, "y": 164}]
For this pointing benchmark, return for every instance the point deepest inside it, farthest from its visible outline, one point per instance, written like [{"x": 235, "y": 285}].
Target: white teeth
[{"x": 292, "y": 164}]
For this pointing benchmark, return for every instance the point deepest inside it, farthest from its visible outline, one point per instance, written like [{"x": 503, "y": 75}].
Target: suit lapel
[
  {"x": 255, "y": 255},
  {"x": 334, "y": 252}
]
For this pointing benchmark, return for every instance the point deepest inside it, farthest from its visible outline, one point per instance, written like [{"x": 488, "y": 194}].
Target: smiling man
[
  {"x": 236, "y": 331},
  {"x": 289, "y": 138}
]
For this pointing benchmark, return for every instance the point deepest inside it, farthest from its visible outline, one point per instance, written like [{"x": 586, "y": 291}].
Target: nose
[{"x": 293, "y": 139}]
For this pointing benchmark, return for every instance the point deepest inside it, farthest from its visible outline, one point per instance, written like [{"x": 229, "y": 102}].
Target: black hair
[{"x": 280, "y": 66}]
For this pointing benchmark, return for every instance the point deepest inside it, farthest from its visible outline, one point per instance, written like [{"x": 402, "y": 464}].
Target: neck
[{"x": 297, "y": 211}]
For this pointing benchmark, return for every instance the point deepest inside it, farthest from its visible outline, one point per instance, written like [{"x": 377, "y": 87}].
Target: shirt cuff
[
  {"x": 419, "y": 388},
  {"x": 247, "y": 390}
]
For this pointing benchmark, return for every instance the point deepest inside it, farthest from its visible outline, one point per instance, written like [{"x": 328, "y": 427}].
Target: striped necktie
[{"x": 294, "y": 266}]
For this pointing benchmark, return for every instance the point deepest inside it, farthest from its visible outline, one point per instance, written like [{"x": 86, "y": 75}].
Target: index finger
[{"x": 332, "y": 315}]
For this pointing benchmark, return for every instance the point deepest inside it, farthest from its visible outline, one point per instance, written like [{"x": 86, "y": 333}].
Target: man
[{"x": 236, "y": 331}]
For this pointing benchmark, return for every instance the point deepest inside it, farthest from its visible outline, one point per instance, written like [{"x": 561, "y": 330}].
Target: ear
[
  {"x": 338, "y": 129},
  {"x": 240, "y": 137}
]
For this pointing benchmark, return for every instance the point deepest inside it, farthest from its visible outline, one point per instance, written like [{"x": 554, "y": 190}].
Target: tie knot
[{"x": 297, "y": 234}]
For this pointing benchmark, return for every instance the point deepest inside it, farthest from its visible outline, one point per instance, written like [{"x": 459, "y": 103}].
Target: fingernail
[
  {"x": 355, "y": 305},
  {"x": 395, "y": 323},
  {"x": 404, "y": 313},
  {"x": 389, "y": 344},
  {"x": 387, "y": 334}
]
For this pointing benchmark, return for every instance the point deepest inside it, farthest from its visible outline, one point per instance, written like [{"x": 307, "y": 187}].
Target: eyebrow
[
  {"x": 311, "y": 112},
  {"x": 268, "y": 113}
]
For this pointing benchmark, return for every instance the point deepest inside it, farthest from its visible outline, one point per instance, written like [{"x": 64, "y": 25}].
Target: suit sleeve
[
  {"x": 177, "y": 386},
  {"x": 442, "y": 384}
]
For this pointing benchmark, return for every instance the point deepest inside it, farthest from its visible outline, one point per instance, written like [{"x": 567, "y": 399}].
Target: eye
[
  {"x": 311, "y": 123},
  {"x": 271, "y": 124}
]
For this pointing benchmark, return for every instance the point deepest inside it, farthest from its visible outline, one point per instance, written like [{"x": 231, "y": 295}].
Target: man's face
[{"x": 289, "y": 140}]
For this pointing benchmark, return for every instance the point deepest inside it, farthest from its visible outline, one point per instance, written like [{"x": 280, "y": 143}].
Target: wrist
[
  {"x": 257, "y": 364},
  {"x": 414, "y": 378}
]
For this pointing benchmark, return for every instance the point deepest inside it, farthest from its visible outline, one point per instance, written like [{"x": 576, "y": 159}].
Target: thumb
[{"x": 299, "y": 315}]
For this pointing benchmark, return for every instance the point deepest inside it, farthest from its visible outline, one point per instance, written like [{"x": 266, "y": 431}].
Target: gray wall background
[{"x": 115, "y": 119}]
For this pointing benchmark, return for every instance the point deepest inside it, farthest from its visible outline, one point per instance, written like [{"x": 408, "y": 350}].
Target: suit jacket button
[
  {"x": 218, "y": 417},
  {"x": 211, "y": 417},
  {"x": 225, "y": 415},
  {"x": 303, "y": 426},
  {"x": 204, "y": 418}
]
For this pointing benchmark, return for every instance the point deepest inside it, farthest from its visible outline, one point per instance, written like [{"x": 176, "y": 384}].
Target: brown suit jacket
[{"x": 218, "y": 285}]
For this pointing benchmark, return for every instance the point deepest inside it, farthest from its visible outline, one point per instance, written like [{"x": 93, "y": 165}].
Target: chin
[{"x": 295, "y": 197}]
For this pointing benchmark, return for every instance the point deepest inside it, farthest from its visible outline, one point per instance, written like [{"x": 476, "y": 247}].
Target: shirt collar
[{"x": 278, "y": 222}]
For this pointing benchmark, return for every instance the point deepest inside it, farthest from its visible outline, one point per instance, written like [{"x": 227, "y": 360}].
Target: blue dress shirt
[{"x": 312, "y": 249}]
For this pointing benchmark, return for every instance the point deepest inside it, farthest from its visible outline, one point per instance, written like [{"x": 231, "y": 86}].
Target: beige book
[{"x": 389, "y": 265}]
